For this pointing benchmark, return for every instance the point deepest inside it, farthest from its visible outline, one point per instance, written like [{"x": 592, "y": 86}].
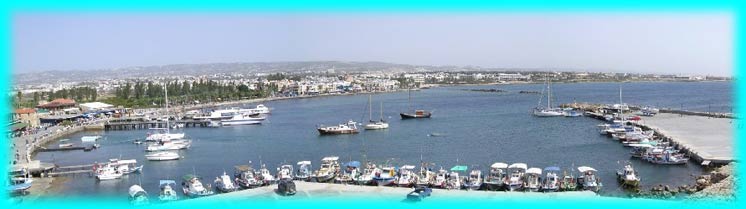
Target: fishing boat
[
  {"x": 162, "y": 156},
  {"x": 285, "y": 172},
  {"x": 405, "y": 176},
  {"x": 549, "y": 111},
  {"x": 569, "y": 112},
  {"x": 425, "y": 178},
  {"x": 64, "y": 140},
  {"x": 286, "y": 187},
  {"x": 246, "y": 177},
  {"x": 454, "y": 177},
  {"x": 474, "y": 180},
  {"x": 415, "y": 114},
  {"x": 328, "y": 170},
  {"x": 169, "y": 145},
  {"x": 568, "y": 182},
  {"x": 224, "y": 184},
  {"x": 375, "y": 125},
  {"x": 138, "y": 196},
  {"x": 516, "y": 175},
  {"x": 304, "y": 171},
  {"x": 167, "y": 190},
  {"x": 551, "y": 182},
  {"x": 20, "y": 184},
  {"x": 665, "y": 156},
  {"x": 107, "y": 172},
  {"x": 366, "y": 178},
  {"x": 259, "y": 109},
  {"x": 533, "y": 183},
  {"x": 628, "y": 177},
  {"x": 350, "y": 173},
  {"x": 588, "y": 179},
  {"x": 344, "y": 128},
  {"x": 384, "y": 176},
  {"x": 496, "y": 178},
  {"x": 125, "y": 166},
  {"x": 265, "y": 176},
  {"x": 241, "y": 119},
  {"x": 66, "y": 145},
  {"x": 441, "y": 179},
  {"x": 192, "y": 187}
]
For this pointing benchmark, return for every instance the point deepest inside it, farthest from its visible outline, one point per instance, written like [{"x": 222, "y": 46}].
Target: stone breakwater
[{"x": 719, "y": 184}]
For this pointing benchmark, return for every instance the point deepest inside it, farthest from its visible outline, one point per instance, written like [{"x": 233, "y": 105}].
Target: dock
[{"x": 141, "y": 124}]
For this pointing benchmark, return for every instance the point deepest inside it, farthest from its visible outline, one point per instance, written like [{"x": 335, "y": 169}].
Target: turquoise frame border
[{"x": 10, "y": 7}]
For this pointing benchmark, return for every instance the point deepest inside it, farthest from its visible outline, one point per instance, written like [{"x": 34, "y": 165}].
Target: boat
[
  {"x": 192, "y": 187},
  {"x": 214, "y": 124},
  {"x": 167, "y": 190},
  {"x": 568, "y": 182},
  {"x": 516, "y": 175},
  {"x": 90, "y": 138},
  {"x": 384, "y": 176},
  {"x": 218, "y": 114},
  {"x": 441, "y": 179},
  {"x": 137, "y": 141},
  {"x": 350, "y": 174},
  {"x": 425, "y": 177},
  {"x": 259, "y": 109},
  {"x": 162, "y": 156},
  {"x": 405, "y": 177},
  {"x": 533, "y": 183},
  {"x": 474, "y": 181},
  {"x": 169, "y": 145},
  {"x": 265, "y": 176},
  {"x": 628, "y": 177},
  {"x": 549, "y": 111},
  {"x": 20, "y": 184},
  {"x": 328, "y": 169},
  {"x": 415, "y": 114},
  {"x": 551, "y": 182},
  {"x": 588, "y": 179},
  {"x": 664, "y": 156},
  {"x": 344, "y": 128},
  {"x": 64, "y": 140},
  {"x": 496, "y": 178},
  {"x": 375, "y": 125},
  {"x": 125, "y": 166},
  {"x": 285, "y": 172},
  {"x": 165, "y": 135},
  {"x": 454, "y": 177},
  {"x": 419, "y": 193},
  {"x": 66, "y": 145},
  {"x": 304, "y": 171},
  {"x": 107, "y": 172},
  {"x": 224, "y": 184},
  {"x": 246, "y": 177},
  {"x": 286, "y": 187},
  {"x": 241, "y": 119},
  {"x": 572, "y": 113},
  {"x": 138, "y": 196}
]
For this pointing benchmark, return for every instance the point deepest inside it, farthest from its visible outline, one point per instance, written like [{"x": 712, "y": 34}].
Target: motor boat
[
  {"x": 551, "y": 182},
  {"x": 441, "y": 179},
  {"x": 246, "y": 177},
  {"x": 224, "y": 184},
  {"x": 107, "y": 172},
  {"x": 138, "y": 196},
  {"x": 163, "y": 156},
  {"x": 126, "y": 166},
  {"x": 350, "y": 174},
  {"x": 192, "y": 187},
  {"x": 588, "y": 179},
  {"x": 285, "y": 172},
  {"x": 241, "y": 119},
  {"x": 265, "y": 176},
  {"x": 164, "y": 137},
  {"x": 286, "y": 187},
  {"x": 474, "y": 181},
  {"x": 405, "y": 177},
  {"x": 304, "y": 171},
  {"x": 384, "y": 176},
  {"x": 169, "y": 145},
  {"x": 259, "y": 109},
  {"x": 533, "y": 183},
  {"x": 345, "y": 128},
  {"x": 496, "y": 178},
  {"x": 328, "y": 170},
  {"x": 516, "y": 175},
  {"x": 425, "y": 177},
  {"x": 628, "y": 177},
  {"x": 568, "y": 182},
  {"x": 167, "y": 190}
]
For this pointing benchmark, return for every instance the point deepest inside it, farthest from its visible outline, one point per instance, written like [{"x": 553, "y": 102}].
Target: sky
[{"x": 669, "y": 43}]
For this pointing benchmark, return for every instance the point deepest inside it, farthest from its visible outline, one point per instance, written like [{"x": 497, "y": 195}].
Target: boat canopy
[
  {"x": 552, "y": 168},
  {"x": 243, "y": 168},
  {"x": 304, "y": 163},
  {"x": 519, "y": 165},
  {"x": 162, "y": 183},
  {"x": 190, "y": 177},
  {"x": 499, "y": 165},
  {"x": 136, "y": 190},
  {"x": 459, "y": 168},
  {"x": 536, "y": 171},
  {"x": 332, "y": 158},
  {"x": 354, "y": 164},
  {"x": 132, "y": 161},
  {"x": 409, "y": 167},
  {"x": 584, "y": 169}
]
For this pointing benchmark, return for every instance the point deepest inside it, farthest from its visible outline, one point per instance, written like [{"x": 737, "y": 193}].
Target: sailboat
[
  {"x": 415, "y": 113},
  {"x": 167, "y": 136},
  {"x": 375, "y": 125},
  {"x": 548, "y": 111}
]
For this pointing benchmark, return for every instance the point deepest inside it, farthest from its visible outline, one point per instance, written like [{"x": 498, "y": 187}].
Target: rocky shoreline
[{"x": 719, "y": 184}]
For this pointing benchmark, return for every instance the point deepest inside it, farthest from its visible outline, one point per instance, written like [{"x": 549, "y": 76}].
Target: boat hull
[
  {"x": 414, "y": 116},
  {"x": 336, "y": 132}
]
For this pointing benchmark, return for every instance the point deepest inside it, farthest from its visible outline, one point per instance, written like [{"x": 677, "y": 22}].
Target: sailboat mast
[
  {"x": 165, "y": 90},
  {"x": 409, "y": 100},
  {"x": 370, "y": 109},
  {"x": 381, "y": 111},
  {"x": 549, "y": 93}
]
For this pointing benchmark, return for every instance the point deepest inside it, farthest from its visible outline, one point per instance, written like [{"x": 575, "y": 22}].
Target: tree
[{"x": 36, "y": 98}]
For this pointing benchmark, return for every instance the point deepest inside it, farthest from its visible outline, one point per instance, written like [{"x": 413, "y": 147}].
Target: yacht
[
  {"x": 496, "y": 178},
  {"x": 163, "y": 156},
  {"x": 259, "y": 109},
  {"x": 375, "y": 125},
  {"x": 218, "y": 114},
  {"x": 242, "y": 119},
  {"x": 416, "y": 113},
  {"x": 346, "y": 128}
]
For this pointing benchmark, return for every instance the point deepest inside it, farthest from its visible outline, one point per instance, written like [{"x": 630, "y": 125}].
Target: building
[
  {"x": 58, "y": 105},
  {"x": 95, "y": 106},
  {"x": 512, "y": 77},
  {"x": 26, "y": 116}
]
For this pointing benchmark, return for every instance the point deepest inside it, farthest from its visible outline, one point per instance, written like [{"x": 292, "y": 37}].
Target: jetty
[{"x": 142, "y": 124}]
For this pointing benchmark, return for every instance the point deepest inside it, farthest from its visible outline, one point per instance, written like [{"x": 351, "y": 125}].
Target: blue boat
[{"x": 419, "y": 193}]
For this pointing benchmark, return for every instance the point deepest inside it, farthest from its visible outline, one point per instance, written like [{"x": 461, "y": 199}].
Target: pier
[
  {"x": 140, "y": 124},
  {"x": 72, "y": 170}
]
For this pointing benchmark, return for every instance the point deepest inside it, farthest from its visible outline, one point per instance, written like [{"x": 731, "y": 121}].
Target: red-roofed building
[
  {"x": 58, "y": 104},
  {"x": 26, "y": 115}
]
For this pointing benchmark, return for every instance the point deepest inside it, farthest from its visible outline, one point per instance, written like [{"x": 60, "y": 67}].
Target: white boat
[
  {"x": 241, "y": 119},
  {"x": 163, "y": 156},
  {"x": 350, "y": 174},
  {"x": 474, "y": 180},
  {"x": 496, "y": 178},
  {"x": 259, "y": 109},
  {"x": 214, "y": 124},
  {"x": 20, "y": 184},
  {"x": 304, "y": 171},
  {"x": 453, "y": 181},
  {"x": 551, "y": 182},
  {"x": 169, "y": 145},
  {"x": 515, "y": 180},
  {"x": 107, "y": 172},
  {"x": 368, "y": 173},
  {"x": 90, "y": 138},
  {"x": 328, "y": 169},
  {"x": 266, "y": 177},
  {"x": 628, "y": 177},
  {"x": 548, "y": 111},
  {"x": 66, "y": 145},
  {"x": 218, "y": 114},
  {"x": 285, "y": 172},
  {"x": 167, "y": 190},
  {"x": 166, "y": 134},
  {"x": 125, "y": 166},
  {"x": 441, "y": 178},
  {"x": 532, "y": 179},
  {"x": 246, "y": 177},
  {"x": 406, "y": 177},
  {"x": 588, "y": 180},
  {"x": 192, "y": 187},
  {"x": 425, "y": 178},
  {"x": 375, "y": 125},
  {"x": 384, "y": 176},
  {"x": 138, "y": 196},
  {"x": 224, "y": 183},
  {"x": 345, "y": 128}
]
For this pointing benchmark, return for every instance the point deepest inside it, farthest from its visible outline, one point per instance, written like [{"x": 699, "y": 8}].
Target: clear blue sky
[{"x": 646, "y": 42}]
